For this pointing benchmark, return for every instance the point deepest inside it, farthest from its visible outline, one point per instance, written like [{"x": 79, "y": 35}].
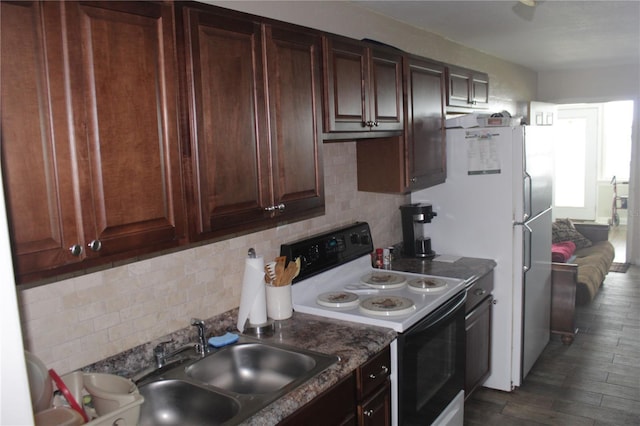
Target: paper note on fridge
[{"x": 482, "y": 154}]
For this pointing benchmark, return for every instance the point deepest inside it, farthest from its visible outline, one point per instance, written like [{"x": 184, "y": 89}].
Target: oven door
[{"x": 431, "y": 362}]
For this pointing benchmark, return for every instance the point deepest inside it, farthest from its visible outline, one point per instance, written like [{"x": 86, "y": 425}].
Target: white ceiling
[{"x": 553, "y": 35}]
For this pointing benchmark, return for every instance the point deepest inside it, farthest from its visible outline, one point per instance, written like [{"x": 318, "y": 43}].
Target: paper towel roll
[{"x": 253, "y": 300}]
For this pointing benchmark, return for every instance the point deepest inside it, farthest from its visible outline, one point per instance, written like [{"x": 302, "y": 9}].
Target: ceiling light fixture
[{"x": 531, "y": 3}]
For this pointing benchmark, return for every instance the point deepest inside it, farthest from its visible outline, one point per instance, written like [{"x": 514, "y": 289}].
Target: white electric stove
[
  {"x": 428, "y": 357},
  {"x": 357, "y": 292}
]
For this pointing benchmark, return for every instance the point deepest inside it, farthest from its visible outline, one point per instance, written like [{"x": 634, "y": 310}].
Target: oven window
[
  {"x": 435, "y": 365},
  {"x": 431, "y": 364}
]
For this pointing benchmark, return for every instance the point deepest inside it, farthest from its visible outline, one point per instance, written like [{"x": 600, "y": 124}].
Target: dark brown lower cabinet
[
  {"x": 335, "y": 406},
  {"x": 478, "y": 333},
  {"x": 376, "y": 411},
  {"x": 362, "y": 398}
]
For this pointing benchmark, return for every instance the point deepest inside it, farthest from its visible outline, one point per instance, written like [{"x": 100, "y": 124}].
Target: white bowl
[{"x": 109, "y": 392}]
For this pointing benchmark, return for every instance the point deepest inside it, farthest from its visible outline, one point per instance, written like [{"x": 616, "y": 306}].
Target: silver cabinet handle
[
  {"x": 95, "y": 245},
  {"x": 76, "y": 250},
  {"x": 479, "y": 291},
  {"x": 279, "y": 207},
  {"x": 383, "y": 371}
]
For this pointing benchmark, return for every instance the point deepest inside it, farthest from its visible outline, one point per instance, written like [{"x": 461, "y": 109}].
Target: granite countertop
[
  {"x": 466, "y": 268},
  {"x": 353, "y": 343}
]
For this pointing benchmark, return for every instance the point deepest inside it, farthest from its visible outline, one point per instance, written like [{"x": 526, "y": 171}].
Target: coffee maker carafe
[{"x": 414, "y": 216}]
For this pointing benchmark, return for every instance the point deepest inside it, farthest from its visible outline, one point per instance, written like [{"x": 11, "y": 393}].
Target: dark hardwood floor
[{"x": 594, "y": 381}]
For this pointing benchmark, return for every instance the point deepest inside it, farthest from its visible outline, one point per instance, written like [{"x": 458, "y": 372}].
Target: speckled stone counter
[
  {"x": 353, "y": 343},
  {"x": 466, "y": 268}
]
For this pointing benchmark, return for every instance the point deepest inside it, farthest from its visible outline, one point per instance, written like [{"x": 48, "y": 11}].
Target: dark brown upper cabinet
[
  {"x": 362, "y": 89},
  {"x": 90, "y": 151},
  {"x": 253, "y": 97},
  {"x": 467, "y": 88},
  {"x": 425, "y": 117},
  {"x": 415, "y": 160}
]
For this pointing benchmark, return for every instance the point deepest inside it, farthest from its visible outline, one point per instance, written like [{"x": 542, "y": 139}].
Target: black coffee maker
[{"x": 414, "y": 216}]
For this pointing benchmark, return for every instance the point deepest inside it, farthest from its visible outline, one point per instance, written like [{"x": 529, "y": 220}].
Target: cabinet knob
[
  {"x": 479, "y": 291},
  {"x": 375, "y": 124},
  {"x": 383, "y": 371},
  {"x": 279, "y": 207},
  {"x": 413, "y": 180},
  {"x": 76, "y": 250},
  {"x": 369, "y": 413},
  {"x": 95, "y": 245}
]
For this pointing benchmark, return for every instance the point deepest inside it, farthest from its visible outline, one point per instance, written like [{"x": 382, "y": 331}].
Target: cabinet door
[
  {"x": 123, "y": 71},
  {"x": 346, "y": 87},
  {"x": 386, "y": 91},
  {"x": 35, "y": 139},
  {"x": 467, "y": 88},
  {"x": 376, "y": 411},
  {"x": 458, "y": 88},
  {"x": 480, "y": 86},
  {"x": 478, "y": 334},
  {"x": 293, "y": 70},
  {"x": 229, "y": 153},
  {"x": 425, "y": 137},
  {"x": 335, "y": 406}
]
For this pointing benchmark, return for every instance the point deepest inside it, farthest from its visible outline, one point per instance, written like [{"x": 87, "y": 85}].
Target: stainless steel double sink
[{"x": 228, "y": 385}]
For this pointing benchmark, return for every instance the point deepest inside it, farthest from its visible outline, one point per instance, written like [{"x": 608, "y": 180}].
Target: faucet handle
[{"x": 197, "y": 322}]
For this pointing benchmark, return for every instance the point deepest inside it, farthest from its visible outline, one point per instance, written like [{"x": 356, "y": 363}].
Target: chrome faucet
[
  {"x": 161, "y": 356},
  {"x": 201, "y": 347}
]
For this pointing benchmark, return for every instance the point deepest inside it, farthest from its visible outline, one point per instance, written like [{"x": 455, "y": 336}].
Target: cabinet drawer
[
  {"x": 478, "y": 290},
  {"x": 373, "y": 373}
]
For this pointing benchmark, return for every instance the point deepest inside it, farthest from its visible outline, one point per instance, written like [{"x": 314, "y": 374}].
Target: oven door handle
[{"x": 457, "y": 302}]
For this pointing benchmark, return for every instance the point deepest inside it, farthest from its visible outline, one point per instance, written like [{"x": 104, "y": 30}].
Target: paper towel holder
[{"x": 259, "y": 330}]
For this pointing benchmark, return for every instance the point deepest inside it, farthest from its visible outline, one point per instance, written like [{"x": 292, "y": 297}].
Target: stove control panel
[{"x": 329, "y": 249}]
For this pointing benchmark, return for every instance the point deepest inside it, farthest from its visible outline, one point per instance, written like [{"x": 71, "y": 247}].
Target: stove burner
[
  {"x": 338, "y": 299},
  {"x": 387, "y": 306},
  {"x": 384, "y": 280},
  {"x": 427, "y": 285}
]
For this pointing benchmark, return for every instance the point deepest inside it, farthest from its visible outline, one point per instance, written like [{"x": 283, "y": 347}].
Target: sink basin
[
  {"x": 251, "y": 368},
  {"x": 228, "y": 385},
  {"x": 175, "y": 402}
]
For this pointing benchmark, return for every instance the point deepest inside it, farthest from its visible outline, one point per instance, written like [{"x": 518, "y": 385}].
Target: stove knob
[{"x": 355, "y": 239}]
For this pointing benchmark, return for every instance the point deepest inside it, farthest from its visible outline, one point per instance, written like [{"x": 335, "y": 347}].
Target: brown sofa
[{"x": 578, "y": 282}]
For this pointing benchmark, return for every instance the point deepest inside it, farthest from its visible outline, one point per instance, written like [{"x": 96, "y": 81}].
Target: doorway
[{"x": 592, "y": 152}]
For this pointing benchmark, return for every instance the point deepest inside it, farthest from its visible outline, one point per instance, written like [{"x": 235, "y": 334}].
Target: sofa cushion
[
  {"x": 593, "y": 264},
  {"x": 563, "y": 230}
]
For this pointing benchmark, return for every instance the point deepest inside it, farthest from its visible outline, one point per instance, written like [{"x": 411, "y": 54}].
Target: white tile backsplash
[{"x": 78, "y": 321}]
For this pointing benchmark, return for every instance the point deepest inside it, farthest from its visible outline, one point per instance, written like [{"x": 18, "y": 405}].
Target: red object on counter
[
  {"x": 379, "y": 260},
  {"x": 67, "y": 394}
]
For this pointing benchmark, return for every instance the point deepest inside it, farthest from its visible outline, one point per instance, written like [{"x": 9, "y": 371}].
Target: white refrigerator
[{"x": 496, "y": 204}]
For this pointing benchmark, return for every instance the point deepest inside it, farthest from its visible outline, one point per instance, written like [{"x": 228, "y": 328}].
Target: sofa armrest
[
  {"x": 593, "y": 231},
  {"x": 563, "y": 300}
]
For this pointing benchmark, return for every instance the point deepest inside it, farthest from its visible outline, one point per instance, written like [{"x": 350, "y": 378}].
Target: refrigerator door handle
[
  {"x": 526, "y": 227},
  {"x": 528, "y": 193}
]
